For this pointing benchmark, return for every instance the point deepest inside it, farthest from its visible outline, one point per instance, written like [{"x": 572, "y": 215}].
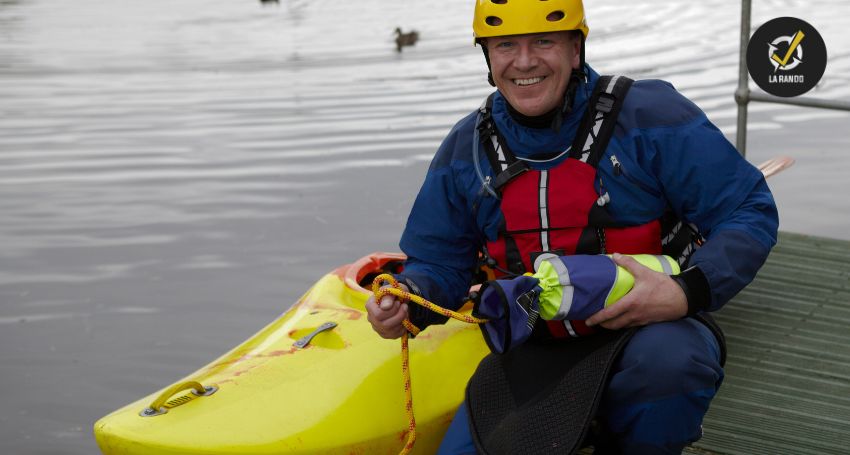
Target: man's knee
[
  {"x": 669, "y": 358},
  {"x": 661, "y": 387}
]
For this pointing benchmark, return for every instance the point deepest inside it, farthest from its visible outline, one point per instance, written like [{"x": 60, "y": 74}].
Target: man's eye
[
  {"x": 544, "y": 42},
  {"x": 504, "y": 45}
]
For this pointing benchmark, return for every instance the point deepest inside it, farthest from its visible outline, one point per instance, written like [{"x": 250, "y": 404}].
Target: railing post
[{"x": 742, "y": 94}]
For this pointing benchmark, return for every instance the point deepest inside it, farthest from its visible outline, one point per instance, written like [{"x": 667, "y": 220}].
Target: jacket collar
[{"x": 540, "y": 143}]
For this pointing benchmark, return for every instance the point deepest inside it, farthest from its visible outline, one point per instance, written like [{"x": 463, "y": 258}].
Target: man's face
[{"x": 532, "y": 71}]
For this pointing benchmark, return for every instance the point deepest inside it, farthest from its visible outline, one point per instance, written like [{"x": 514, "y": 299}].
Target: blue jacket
[{"x": 670, "y": 155}]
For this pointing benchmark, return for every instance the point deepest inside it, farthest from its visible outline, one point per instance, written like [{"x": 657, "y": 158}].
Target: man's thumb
[{"x": 629, "y": 263}]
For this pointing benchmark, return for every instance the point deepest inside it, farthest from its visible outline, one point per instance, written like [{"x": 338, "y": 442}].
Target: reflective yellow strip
[{"x": 665, "y": 265}]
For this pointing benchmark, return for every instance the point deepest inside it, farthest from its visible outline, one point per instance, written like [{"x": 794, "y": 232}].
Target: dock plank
[{"x": 787, "y": 386}]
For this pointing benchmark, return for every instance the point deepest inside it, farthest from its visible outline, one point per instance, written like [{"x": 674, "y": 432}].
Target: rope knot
[{"x": 384, "y": 285}]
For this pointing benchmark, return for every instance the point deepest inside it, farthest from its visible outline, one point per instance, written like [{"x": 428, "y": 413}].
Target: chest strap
[{"x": 591, "y": 140}]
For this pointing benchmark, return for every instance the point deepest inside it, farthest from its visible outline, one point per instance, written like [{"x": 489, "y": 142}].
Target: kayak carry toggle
[
  {"x": 161, "y": 404},
  {"x": 302, "y": 342}
]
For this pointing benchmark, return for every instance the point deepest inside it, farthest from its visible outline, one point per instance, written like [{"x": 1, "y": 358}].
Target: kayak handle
[
  {"x": 157, "y": 407},
  {"x": 306, "y": 339}
]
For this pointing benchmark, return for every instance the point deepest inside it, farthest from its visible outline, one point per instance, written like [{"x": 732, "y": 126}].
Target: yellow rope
[{"x": 396, "y": 290}]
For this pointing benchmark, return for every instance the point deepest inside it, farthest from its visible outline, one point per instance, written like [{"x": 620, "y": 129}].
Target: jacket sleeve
[
  {"x": 440, "y": 238},
  {"x": 708, "y": 183}
]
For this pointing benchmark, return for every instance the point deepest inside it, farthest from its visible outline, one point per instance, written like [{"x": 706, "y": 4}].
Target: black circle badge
[{"x": 786, "y": 57}]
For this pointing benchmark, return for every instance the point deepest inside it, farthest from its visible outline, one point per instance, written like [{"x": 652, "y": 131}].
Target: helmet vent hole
[
  {"x": 493, "y": 21},
  {"x": 499, "y": 2},
  {"x": 555, "y": 16}
]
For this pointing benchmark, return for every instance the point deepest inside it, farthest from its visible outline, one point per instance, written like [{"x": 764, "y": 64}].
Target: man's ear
[{"x": 576, "y": 43}]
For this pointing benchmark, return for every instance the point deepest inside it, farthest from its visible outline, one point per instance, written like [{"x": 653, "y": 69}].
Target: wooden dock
[{"x": 787, "y": 386}]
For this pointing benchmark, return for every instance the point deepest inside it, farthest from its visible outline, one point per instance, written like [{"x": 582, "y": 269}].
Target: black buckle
[
  {"x": 605, "y": 103},
  {"x": 515, "y": 169}
]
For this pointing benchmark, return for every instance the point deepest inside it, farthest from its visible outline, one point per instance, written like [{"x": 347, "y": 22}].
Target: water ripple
[{"x": 218, "y": 156}]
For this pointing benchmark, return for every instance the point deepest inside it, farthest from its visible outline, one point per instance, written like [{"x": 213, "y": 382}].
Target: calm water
[{"x": 175, "y": 173}]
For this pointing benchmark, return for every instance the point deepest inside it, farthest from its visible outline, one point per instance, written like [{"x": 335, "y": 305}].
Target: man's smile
[{"x": 529, "y": 81}]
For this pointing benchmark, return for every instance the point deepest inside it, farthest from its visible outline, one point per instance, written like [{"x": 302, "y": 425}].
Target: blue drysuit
[{"x": 669, "y": 155}]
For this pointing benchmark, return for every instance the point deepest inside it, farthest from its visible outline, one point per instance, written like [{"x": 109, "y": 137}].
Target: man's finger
[
  {"x": 395, "y": 320},
  {"x": 387, "y": 309},
  {"x": 388, "y": 302},
  {"x": 617, "y": 323},
  {"x": 606, "y": 314},
  {"x": 629, "y": 263},
  {"x": 371, "y": 308},
  {"x": 393, "y": 333}
]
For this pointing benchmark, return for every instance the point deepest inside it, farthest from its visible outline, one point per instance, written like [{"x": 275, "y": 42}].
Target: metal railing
[{"x": 743, "y": 95}]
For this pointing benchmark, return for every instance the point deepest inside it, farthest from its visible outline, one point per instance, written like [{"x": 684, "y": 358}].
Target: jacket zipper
[{"x": 620, "y": 170}]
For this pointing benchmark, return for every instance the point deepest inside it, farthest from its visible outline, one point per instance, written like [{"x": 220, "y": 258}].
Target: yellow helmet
[{"x": 520, "y": 17}]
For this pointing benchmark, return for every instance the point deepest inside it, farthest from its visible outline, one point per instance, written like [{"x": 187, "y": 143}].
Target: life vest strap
[
  {"x": 498, "y": 154},
  {"x": 592, "y": 137},
  {"x": 513, "y": 170},
  {"x": 599, "y": 121}
]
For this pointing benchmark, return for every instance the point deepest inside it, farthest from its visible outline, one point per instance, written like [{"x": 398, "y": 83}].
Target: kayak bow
[{"x": 315, "y": 380}]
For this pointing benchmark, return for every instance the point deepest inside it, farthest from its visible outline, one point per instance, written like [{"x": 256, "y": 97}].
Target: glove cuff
[{"x": 697, "y": 291}]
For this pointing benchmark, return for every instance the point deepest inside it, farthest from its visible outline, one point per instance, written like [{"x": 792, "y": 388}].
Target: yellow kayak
[{"x": 316, "y": 380}]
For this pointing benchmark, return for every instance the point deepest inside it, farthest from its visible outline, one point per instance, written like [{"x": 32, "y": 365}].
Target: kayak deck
[{"x": 315, "y": 380}]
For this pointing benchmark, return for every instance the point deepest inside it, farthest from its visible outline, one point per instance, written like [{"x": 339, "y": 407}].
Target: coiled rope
[{"x": 404, "y": 296}]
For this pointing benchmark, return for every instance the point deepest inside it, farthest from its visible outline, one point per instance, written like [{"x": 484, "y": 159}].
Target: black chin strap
[{"x": 489, "y": 69}]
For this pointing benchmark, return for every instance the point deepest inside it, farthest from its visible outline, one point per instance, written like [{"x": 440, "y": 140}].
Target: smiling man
[
  {"x": 561, "y": 161},
  {"x": 532, "y": 71}
]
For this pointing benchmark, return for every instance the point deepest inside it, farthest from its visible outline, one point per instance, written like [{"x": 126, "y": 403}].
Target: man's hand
[
  {"x": 655, "y": 297},
  {"x": 387, "y": 315}
]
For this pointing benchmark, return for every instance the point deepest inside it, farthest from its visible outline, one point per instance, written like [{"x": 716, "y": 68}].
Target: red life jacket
[{"x": 559, "y": 210}]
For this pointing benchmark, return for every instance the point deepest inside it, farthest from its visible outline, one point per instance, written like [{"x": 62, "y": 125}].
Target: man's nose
[{"x": 526, "y": 58}]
